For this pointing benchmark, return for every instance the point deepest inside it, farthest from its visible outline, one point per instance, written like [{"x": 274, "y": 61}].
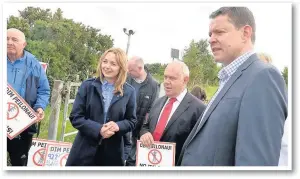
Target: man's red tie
[{"x": 160, "y": 127}]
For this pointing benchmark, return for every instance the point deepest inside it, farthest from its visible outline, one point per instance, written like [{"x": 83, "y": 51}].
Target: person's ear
[
  {"x": 186, "y": 79},
  {"x": 246, "y": 33},
  {"x": 24, "y": 44}
]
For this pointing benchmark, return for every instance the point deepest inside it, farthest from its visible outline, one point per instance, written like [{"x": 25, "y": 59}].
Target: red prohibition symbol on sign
[
  {"x": 12, "y": 111},
  {"x": 39, "y": 157},
  {"x": 154, "y": 156},
  {"x": 63, "y": 160}
]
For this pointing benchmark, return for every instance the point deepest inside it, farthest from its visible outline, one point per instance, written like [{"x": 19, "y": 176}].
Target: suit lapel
[
  {"x": 159, "y": 107},
  {"x": 180, "y": 109},
  {"x": 224, "y": 90},
  {"x": 189, "y": 138},
  {"x": 221, "y": 94}
]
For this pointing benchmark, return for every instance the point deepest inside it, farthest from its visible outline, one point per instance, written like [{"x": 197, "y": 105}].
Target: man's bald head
[
  {"x": 180, "y": 67},
  {"x": 18, "y": 33},
  {"x": 136, "y": 67},
  {"x": 137, "y": 61},
  {"x": 16, "y": 42},
  {"x": 176, "y": 77}
]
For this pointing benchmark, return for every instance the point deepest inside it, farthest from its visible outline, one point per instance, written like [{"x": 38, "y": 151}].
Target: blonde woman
[
  {"x": 265, "y": 57},
  {"x": 103, "y": 112}
]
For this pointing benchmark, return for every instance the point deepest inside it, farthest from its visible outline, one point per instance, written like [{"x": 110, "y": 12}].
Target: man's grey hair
[
  {"x": 239, "y": 17},
  {"x": 185, "y": 68},
  {"x": 138, "y": 61},
  {"x": 23, "y": 38}
]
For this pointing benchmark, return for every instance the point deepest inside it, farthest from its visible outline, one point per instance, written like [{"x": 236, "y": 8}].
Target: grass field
[
  {"x": 45, "y": 125},
  {"x": 210, "y": 90}
]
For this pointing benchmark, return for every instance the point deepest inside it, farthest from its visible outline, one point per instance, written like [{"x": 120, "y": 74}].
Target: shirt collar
[
  {"x": 105, "y": 83},
  {"x": 138, "y": 81},
  {"x": 180, "y": 97},
  {"x": 228, "y": 70},
  {"x": 20, "y": 59}
]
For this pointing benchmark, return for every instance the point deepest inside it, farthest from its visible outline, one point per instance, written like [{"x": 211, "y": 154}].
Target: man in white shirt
[{"x": 174, "y": 115}]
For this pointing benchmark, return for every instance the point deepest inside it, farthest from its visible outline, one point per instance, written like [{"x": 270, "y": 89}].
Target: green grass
[
  {"x": 210, "y": 91},
  {"x": 45, "y": 125},
  {"x": 158, "y": 78}
]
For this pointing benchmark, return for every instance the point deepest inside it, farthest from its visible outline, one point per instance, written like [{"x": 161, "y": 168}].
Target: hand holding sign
[
  {"x": 147, "y": 139},
  {"x": 40, "y": 113}
]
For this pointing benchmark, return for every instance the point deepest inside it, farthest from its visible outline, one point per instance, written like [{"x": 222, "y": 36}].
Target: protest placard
[
  {"x": 44, "y": 65},
  {"x": 57, "y": 154},
  {"x": 37, "y": 152},
  {"x": 159, "y": 154},
  {"x": 20, "y": 115}
]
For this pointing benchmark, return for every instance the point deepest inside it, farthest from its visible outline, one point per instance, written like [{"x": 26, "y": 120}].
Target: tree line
[
  {"x": 203, "y": 68},
  {"x": 72, "y": 48}
]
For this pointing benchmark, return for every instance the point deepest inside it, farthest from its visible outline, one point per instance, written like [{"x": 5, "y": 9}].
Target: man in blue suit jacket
[{"x": 243, "y": 122}]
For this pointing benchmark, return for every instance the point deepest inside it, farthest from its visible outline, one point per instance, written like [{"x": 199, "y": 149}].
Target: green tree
[
  {"x": 31, "y": 14},
  {"x": 157, "y": 70},
  {"x": 71, "y": 48},
  {"x": 203, "y": 69},
  {"x": 285, "y": 75},
  {"x": 20, "y": 23}
]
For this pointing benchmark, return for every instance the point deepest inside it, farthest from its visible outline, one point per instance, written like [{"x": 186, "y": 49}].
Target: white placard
[
  {"x": 44, "y": 65},
  {"x": 159, "y": 154},
  {"x": 20, "y": 115},
  {"x": 57, "y": 154},
  {"x": 37, "y": 152}
]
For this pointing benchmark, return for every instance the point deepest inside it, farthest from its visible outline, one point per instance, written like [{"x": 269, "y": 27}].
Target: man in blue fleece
[{"x": 27, "y": 77}]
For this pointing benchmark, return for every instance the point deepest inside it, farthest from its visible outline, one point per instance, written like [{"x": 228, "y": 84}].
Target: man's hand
[
  {"x": 113, "y": 126},
  {"x": 147, "y": 139},
  {"x": 106, "y": 132},
  {"x": 40, "y": 113}
]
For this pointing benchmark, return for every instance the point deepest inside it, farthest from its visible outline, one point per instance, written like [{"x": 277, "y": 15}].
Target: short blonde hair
[
  {"x": 265, "y": 57},
  {"x": 121, "y": 58}
]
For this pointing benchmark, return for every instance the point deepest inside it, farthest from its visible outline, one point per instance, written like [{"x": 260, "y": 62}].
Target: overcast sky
[{"x": 161, "y": 26}]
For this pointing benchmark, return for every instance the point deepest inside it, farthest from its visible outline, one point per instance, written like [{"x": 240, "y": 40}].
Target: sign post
[{"x": 174, "y": 53}]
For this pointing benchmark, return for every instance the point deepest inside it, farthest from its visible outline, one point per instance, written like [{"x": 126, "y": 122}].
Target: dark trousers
[
  {"x": 18, "y": 149},
  {"x": 101, "y": 159},
  {"x": 131, "y": 159}
]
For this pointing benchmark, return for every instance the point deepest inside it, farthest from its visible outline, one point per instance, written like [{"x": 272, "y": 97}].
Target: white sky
[{"x": 161, "y": 26}]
